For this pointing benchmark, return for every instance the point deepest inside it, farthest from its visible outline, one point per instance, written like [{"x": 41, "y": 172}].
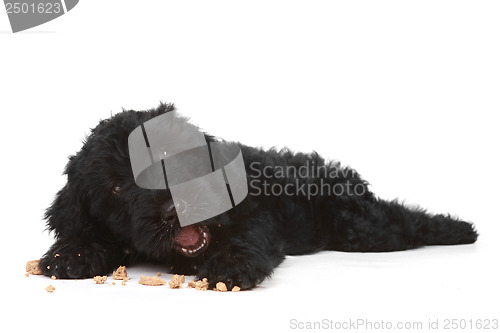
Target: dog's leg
[
  {"x": 83, "y": 247},
  {"x": 81, "y": 257},
  {"x": 378, "y": 226},
  {"x": 246, "y": 258}
]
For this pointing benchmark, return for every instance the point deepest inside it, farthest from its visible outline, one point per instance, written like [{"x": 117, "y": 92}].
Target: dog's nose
[{"x": 168, "y": 214}]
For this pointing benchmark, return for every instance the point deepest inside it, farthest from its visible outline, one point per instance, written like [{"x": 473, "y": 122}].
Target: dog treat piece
[
  {"x": 176, "y": 281},
  {"x": 33, "y": 268},
  {"x": 125, "y": 279},
  {"x": 120, "y": 273},
  {"x": 202, "y": 284},
  {"x": 199, "y": 285},
  {"x": 220, "y": 286},
  {"x": 50, "y": 288},
  {"x": 100, "y": 279},
  {"x": 151, "y": 280},
  {"x": 236, "y": 288}
]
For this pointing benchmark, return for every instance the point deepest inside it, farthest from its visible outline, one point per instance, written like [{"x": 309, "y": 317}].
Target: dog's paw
[
  {"x": 234, "y": 270},
  {"x": 70, "y": 261}
]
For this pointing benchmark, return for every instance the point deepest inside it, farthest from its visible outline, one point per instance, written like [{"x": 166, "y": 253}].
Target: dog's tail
[{"x": 379, "y": 225}]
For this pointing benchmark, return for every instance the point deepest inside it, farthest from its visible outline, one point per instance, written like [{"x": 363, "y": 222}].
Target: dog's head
[{"x": 101, "y": 181}]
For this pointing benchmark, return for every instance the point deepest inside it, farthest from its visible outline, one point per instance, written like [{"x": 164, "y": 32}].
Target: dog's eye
[{"x": 116, "y": 190}]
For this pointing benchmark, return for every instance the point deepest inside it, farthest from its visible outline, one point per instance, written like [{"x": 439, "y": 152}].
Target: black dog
[{"x": 297, "y": 204}]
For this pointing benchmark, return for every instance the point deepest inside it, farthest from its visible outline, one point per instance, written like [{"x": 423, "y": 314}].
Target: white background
[{"x": 406, "y": 92}]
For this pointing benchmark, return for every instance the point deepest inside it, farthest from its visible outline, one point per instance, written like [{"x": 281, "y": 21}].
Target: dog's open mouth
[{"x": 192, "y": 240}]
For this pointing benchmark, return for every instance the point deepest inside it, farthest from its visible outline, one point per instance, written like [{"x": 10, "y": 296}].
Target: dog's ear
[{"x": 68, "y": 214}]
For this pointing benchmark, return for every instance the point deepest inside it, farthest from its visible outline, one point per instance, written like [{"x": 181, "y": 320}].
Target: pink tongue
[{"x": 188, "y": 236}]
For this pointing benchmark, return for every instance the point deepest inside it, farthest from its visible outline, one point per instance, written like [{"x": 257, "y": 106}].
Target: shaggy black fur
[{"x": 102, "y": 219}]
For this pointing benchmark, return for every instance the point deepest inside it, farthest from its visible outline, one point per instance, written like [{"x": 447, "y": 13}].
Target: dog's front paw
[
  {"x": 70, "y": 261},
  {"x": 234, "y": 269}
]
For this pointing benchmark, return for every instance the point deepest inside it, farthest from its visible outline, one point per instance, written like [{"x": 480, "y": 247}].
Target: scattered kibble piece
[
  {"x": 220, "y": 286},
  {"x": 199, "y": 285},
  {"x": 120, "y": 273},
  {"x": 176, "y": 281},
  {"x": 32, "y": 267},
  {"x": 151, "y": 280},
  {"x": 236, "y": 288},
  {"x": 50, "y": 288},
  {"x": 100, "y": 279}
]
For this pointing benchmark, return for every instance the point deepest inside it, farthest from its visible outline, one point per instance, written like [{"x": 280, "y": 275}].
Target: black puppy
[{"x": 296, "y": 204}]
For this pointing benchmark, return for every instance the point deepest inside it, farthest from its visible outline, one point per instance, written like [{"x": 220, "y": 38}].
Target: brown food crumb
[
  {"x": 120, "y": 273},
  {"x": 26, "y": 274},
  {"x": 236, "y": 288},
  {"x": 125, "y": 279},
  {"x": 100, "y": 279},
  {"x": 199, "y": 285},
  {"x": 220, "y": 286},
  {"x": 32, "y": 267},
  {"x": 159, "y": 274},
  {"x": 50, "y": 288},
  {"x": 151, "y": 280},
  {"x": 202, "y": 284},
  {"x": 53, "y": 277},
  {"x": 176, "y": 281}
]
